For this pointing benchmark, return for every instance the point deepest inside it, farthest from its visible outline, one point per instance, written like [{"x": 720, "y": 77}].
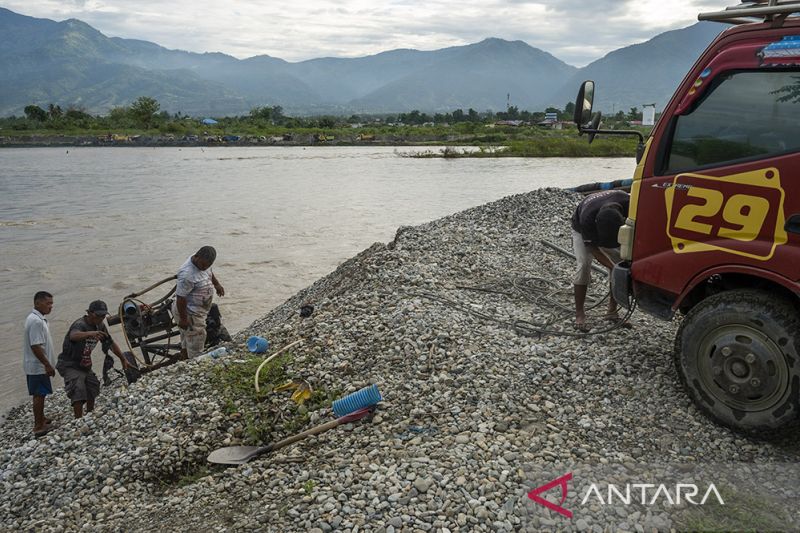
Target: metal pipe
[
  {"x": 780, "y": 8},
  {"x": 151, "y": 287},
  {"x": 163, "y": 298},
  {"x": 161, "y": 337}
]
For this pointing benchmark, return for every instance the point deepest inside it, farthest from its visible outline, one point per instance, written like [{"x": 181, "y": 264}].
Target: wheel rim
[{"x": 743, "y": 368}]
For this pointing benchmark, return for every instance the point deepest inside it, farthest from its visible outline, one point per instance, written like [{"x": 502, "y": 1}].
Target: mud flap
[{"x": 621, "y": 284}]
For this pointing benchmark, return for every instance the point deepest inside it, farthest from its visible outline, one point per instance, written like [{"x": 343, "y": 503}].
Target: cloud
[{"x": 575, "y": 31}]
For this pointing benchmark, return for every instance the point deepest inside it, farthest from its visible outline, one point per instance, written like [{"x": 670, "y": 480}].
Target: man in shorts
[
  {"x": 193, "y": 296},
  {"x": 38, "y": 358},
  {"x": 595, "y": 225},
  {"x": 75, "y": 360}
]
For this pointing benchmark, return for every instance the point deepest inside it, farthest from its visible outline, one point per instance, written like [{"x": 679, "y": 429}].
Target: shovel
[{"x": 237, "y": 455}]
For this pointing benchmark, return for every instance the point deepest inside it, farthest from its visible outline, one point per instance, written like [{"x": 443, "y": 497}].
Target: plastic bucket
[
  {"x": 366, "y": 397},
  {"x": 257, "y": 344}
]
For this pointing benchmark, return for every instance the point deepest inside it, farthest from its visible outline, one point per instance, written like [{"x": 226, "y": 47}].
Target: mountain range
[{"x": 72, "y": 64}]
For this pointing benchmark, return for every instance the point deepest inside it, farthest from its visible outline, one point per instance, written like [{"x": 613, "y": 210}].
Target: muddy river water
[{"x": 89, "y": 223}]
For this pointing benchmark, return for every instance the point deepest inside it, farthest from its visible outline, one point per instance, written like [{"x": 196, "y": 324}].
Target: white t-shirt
[
  {"x": 195, "y": 285},
  {"x": 36, "y": 332}
]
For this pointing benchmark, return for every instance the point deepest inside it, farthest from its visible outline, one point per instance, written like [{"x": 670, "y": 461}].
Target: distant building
[{"x": 648, "y": 114}]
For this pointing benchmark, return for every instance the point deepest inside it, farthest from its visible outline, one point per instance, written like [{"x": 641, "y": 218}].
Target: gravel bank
[{"x": 472, "y": 410}]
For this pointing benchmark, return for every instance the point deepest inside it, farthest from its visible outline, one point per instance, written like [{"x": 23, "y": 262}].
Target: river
[{"x": 89, "y": 223}]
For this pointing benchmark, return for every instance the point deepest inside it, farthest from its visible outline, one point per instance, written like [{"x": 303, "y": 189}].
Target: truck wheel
[{"x": 737, "y": 358}]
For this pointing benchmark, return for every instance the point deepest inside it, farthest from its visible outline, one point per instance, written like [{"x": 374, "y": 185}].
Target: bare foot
[
  {"x": 580, "y": 323},
  {"x": 614, "y": 317}
]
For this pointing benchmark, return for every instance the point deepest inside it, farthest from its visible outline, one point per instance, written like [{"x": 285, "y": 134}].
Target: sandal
[{"x": 44, "y": 431}]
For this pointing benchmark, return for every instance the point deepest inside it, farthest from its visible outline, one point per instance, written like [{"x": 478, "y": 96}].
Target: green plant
[
  {"x": 191, "y": 476},
  {"x": 235, "y": 381},
  {"x": 234, "y": 385},
  {"x": 295, "y": 423}
]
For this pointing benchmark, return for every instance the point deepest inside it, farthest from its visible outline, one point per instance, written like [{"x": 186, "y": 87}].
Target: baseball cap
[{"x": 98, "y": 307}]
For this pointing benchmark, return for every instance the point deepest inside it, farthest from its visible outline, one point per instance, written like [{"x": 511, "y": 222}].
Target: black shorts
[{"x": 80, "y": 385}]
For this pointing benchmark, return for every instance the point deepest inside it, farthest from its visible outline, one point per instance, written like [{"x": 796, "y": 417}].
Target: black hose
[{"x": 541, "y": 292}]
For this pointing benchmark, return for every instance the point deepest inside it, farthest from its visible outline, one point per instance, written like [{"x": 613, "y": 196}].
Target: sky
[{"x": 575, "y": 31}]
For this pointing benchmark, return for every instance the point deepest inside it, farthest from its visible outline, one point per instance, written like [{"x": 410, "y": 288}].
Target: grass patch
[
  {"x": 235, "y": 380},
  {"x": 264, "y": 416},
  {"x": 235, "y": 386},
  {"x": 192, "y": 476},
  {"x": 570, "y": 147},
  {"x": 186, "y": 474},
  {"x": 742, "y": 511}
]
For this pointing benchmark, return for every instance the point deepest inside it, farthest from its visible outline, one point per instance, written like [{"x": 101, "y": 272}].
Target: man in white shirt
[
  {"x": 38, "y": 358},
  {"x": 193, "y": 296}
]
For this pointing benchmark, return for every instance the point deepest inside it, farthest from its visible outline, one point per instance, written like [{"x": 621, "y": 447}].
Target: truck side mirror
[
  {"x": 589, "y": 122},
  {"x": 583, "y": 104}
]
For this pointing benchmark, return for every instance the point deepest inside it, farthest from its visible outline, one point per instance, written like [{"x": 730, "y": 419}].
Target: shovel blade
[{"x": 235, "y": 455}]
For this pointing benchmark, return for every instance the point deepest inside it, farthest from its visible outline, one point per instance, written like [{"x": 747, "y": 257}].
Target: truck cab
[{"x": 713, "y": 231}]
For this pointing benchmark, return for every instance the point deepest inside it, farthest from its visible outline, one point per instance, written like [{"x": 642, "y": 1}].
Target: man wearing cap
[
  {"x": 38, "y": 358},
  {"x": 595, "y": 225},
  {"x": 193, "y": 296},
  {"x": 75, "y": 360}
]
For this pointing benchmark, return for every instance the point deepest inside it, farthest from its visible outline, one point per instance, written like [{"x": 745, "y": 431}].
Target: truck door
[{"x": 724, "y": 171}]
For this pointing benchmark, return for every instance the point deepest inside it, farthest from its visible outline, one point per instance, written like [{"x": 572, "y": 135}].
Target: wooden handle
[
  {"x": 356, "y": 415},
  {"x": 307, "y": 433}
]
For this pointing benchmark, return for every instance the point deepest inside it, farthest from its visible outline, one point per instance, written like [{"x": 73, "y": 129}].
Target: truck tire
[{"x": 737, "y": 356}]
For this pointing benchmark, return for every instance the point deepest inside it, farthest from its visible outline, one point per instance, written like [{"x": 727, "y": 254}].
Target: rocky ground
[{"x": 474, "y": 414}]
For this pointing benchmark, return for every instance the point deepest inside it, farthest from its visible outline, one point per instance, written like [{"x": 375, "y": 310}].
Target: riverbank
[
  {"x": 444, "y": 145},
  {"x": 473, "y": 411},
  {"x": 152, "y": 141}
]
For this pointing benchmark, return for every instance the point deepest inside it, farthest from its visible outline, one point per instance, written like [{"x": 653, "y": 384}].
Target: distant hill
[
  {"x": 643, "y": 73},
  {"x": 71, "y": 63},
  {"x": 480, "y": 76}
]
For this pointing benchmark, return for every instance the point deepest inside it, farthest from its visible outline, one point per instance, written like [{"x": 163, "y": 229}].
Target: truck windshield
[{"x": 746, "y": 115}]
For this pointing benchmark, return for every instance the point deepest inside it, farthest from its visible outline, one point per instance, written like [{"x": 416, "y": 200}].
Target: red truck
[{"x": 713, "y": 230}]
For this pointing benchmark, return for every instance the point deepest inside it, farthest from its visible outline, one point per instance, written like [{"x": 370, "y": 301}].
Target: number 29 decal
[{"x": 740, "y": 214}]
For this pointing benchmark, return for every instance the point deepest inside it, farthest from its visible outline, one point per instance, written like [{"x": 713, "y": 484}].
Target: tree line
[{"x": 145, "y": 113}]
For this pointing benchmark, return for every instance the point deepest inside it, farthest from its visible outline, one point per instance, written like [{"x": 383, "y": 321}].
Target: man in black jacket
[{"x": 595, "y": 225}]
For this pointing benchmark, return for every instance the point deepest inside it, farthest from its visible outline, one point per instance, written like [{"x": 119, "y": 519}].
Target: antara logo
[
  {"x": 652, "y": 493},
  {"x": 631, "y": 493},
  {"x": 562, "y": 481}
]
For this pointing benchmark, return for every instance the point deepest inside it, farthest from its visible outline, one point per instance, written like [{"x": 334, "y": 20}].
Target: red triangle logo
[{"x": 562, "y": 482}]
